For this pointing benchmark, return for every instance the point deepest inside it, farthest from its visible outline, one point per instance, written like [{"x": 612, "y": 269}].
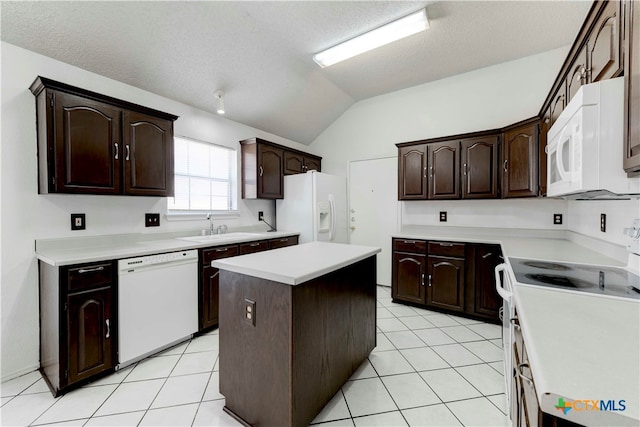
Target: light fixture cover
[
  {"x": 218, "y": 95},
  {"x": 396, "y": 30}
]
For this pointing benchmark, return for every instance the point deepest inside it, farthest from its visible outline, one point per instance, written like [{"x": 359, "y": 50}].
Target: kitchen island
[{"x": 295, "y": 323}]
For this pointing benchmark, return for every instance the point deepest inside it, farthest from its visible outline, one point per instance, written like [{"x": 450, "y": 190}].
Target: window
[{"x": 204, "y": 177}]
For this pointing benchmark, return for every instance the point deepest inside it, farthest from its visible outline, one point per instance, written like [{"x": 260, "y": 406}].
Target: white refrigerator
[{"x": 315, "y": 204}]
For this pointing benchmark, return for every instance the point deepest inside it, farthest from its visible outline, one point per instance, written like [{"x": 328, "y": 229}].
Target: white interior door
[{"x": 373, "y": 208}]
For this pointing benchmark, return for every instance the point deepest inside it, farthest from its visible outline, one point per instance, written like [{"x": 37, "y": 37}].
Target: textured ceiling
[{"x": 260, "y": 53}]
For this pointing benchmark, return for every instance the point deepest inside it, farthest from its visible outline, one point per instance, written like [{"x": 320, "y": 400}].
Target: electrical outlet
[
  {"x": 443, "y": 216},
  {"x": 78, "y": 221},
  {"x": 151, "y": 220},
  {"x": 250, "y": 312},
  {"x": 603, "y": 223},
  {"x": 557, "y": 219},
  {"x": 260, "y": 216}
]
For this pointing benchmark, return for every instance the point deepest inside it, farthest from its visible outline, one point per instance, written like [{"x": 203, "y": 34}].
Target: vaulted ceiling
[{"x": 260, "y": 53}]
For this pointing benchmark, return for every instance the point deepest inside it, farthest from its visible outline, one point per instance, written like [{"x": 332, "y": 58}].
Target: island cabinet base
[{"x": 281, "y": 365}]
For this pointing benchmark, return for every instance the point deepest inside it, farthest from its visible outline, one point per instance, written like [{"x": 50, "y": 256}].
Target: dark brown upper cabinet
[
  {"x": 631, "y": 144},
  {"x": 264, "y": 165},
  {"x": 444, "y": 170},
  {"x": 296, "y": 162},
  {"x": 412, "y": 172},
  {"x": 90, "y": 143},
  {"x": 520, "y": 160},
  {"x": 604, "y": 43},
  {"x": 577, "y": 77},
  {"x": 480, "y": 167}
]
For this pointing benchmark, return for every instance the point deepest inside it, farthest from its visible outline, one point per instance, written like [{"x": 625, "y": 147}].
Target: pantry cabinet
[
  {"x": 631, "y": 156},
  {"x": 520, "y": 160},
  {"x": 78, "y": 323},
  {"x": 90, "y": 143},
  {"x": 446, "y": 276},
  {"x": 264, "y": 165}
]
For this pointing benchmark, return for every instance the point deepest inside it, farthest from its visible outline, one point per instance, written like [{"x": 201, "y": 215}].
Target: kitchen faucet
[{"x": 210, "y": 219}]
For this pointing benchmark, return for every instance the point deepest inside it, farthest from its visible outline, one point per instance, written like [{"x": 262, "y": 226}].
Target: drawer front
[
  {"x": 410, "y": 245},
  {"x": 282, "y": 242},
  {"x": 219, "y": 252},
  {"x": 249, "y": 248},
  {"x": 447, "y": 249},
  {"x": 89, "y": 276}
]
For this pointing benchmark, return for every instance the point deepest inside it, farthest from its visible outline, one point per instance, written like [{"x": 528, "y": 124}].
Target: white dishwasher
[{"x": 157, "y": 303}]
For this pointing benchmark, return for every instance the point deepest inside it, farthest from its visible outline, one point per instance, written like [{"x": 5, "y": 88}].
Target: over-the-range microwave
[{"x": 585, "y": 146}]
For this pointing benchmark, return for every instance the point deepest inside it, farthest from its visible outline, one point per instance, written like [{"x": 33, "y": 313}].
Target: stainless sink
[{"x": 219, "y": 237}]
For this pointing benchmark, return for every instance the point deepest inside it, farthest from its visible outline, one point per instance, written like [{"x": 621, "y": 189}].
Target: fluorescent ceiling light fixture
[
  {"x": 396, "y": 30},
  {"x": 218, "y": 95}
]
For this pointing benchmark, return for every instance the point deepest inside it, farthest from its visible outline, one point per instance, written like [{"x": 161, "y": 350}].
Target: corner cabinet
[
  {"x": 90, "y": 143},
  {"x": 631, "y": 144},
  {"x": 264, "y": 165},
  {"x": 78, "y": 323}
]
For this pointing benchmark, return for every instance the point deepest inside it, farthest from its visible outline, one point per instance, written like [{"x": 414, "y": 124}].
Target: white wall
[
  {"x": 27, "y": 216},
  {"x": 584, "y": 218}
]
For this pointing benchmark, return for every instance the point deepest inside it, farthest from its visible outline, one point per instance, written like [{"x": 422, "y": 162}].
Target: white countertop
[
  {"x": 582, "y": 347},
  {"x": 59, "y": 252},
  {"x": 294, "y": 265}
]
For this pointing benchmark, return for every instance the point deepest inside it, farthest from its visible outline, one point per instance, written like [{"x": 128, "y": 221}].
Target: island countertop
[{"x": 294, "y": 265}]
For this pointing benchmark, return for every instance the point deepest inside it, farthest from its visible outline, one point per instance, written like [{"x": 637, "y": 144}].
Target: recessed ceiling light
[{"x": 396, "y": 30}]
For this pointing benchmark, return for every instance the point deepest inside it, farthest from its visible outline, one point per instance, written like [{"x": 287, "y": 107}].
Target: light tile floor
[{"x": 428, "y": 369}]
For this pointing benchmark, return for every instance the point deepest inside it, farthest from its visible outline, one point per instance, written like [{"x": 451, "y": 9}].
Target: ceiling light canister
[
  {"x": 396, "y": 30},
  {"x": 218, "y": 95}
]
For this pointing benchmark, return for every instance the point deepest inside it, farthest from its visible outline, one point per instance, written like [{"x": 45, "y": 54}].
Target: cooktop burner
[{"x": 603, "y": 280}]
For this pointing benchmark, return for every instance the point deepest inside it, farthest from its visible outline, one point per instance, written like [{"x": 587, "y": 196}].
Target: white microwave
[{"x": 585, "y": 145}]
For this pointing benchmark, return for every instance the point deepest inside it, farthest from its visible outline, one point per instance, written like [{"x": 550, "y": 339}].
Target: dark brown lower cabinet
[
  {"x": 253, "y": 247},
  {"x": 451, "y": 277},
  {"x": 78, "y": 323},
  {"x": 283, "y": 242}
]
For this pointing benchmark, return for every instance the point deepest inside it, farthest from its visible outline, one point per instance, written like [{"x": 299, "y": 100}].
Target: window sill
[{"x": 200, "y": 215}]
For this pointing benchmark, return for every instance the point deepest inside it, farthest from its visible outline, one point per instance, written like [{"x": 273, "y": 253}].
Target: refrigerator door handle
[{"x": 332, "y": 204}]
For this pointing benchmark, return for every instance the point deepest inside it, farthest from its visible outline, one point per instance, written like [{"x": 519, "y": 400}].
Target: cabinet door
[
  {"x": 486, "y": 299},
  {"x": 445, "y": 283},
  {"x": 480, "y": 168},
  {"x": 311, "y": 163},
  {"x": 520, "y": 162},
  {"x": 209, "y": 297},
  {"x": 558, "y": 103},
  {"x": 148, "y": 155},
  {"x": 88, "y": 149},
  {"x": 578, "y": 74},
  {"x": 90, "y": 328},
  {"x": 412, "y": 172},
  {"x": 631, "y": 156},
  {"x": 444, "y": 170},
  {"x": 293, "y": 163},
  {"x": 270, "y": 172},
  {"x": 604, "y": 44},
  {"x": 408, "y": 281}
]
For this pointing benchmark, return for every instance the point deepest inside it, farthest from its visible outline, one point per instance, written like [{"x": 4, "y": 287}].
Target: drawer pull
[
  {"x": 485, "y": 256},
  {"x": 523, "y": 376},
  {"x": 108, "y": 329},
  {"x": 515, "y": 322},
  {"x": 253, "y": 245},
  {"x": 286, "y": 239},
  {"x": 222, "y": 250},
  {"x": 90, "y": 270},
  {"x": 445, "y": 244},
  {"x": 409, "y": 242}
]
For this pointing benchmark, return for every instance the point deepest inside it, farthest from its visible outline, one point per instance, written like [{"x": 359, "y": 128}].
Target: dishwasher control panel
[{"x": 127, "y": 264}]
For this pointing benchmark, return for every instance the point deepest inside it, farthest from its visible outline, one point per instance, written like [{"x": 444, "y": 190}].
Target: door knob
[{"x": 352, "y": 228}]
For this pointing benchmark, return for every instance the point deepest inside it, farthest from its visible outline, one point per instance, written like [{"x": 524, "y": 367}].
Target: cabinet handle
[
  {"x": 261, "y": 171},
  {"x": 286, "y": 239},
  {"x": 128, "y": 151},
  {"x": 429, "y": 280},
  {"x": 515, "y": 322},
  {"x": 90, "y": 270},
  {"x": 253, "y": 245},
  {"x": 505, "y": 165},
  {"x": 422, "y": 279},
  {"x": 222, "y": 250},
  {"x": 431, "y": 171},
  {"x": 425, "y": 171},
  {"x": 445, "y": 244},
  {"x": 464, "y": 169},
  {"x": 409, "y": 242},
  {"x": 523, "y": 376},
  {"x": 485, "y": 256},
  {"x": 214, "y": 275},
  {"x": 117, "y": 151},
  {"x": 108, "y": 329}
]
